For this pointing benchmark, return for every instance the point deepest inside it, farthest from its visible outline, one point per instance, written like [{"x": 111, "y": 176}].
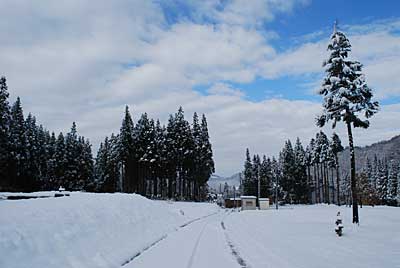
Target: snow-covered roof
[
  {"x": 233, "y": 199},
  {"x": 264, "y": 199},
  {"x": 248, "y": 197}
]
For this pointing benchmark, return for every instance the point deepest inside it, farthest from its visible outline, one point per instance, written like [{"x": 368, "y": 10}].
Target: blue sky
[
  {"x": 252, "y": 67},
  {"x": 309, "y": 22}
]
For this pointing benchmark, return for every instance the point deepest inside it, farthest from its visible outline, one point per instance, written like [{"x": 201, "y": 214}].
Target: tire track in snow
[
  {"x": 234, "y": 250},
  {"x": 166, "y": 235},
  {"x": 197, "y": 219},
  {"x": 190, "y": 263},
  {"x": 145, "y": 249}
]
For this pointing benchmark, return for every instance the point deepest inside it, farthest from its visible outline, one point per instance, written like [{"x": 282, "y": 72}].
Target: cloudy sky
[{"x": 252, "y": 66}]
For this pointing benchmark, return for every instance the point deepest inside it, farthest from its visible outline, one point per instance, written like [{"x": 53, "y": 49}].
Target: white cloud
[
  {"x": 373, "y": 45},
  {"x": 80, "y": 61},
  {"x": 224, "y": 89}
]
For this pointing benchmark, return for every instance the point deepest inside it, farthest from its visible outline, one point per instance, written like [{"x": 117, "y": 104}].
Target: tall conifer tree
[{"x": 346, "y": 96}]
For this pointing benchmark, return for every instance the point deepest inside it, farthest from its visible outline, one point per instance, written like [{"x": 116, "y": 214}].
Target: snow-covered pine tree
[
  {"x": 162, "y": 168},
  {"x": 308, "y": 163},
  {"x": 100, "y": 167},
  {"x": 43, "y": 143},
  {"x": 32, "y": 154},
  {"x": 144, "y": 141},
  {"x": 382, "y": 182},
  {"x": 248, "y": 174},
  {"x": 71, "y": 179},
  {"x": 198, "y": 169},
  {"x": 171, "y": 156},
  {"x": 256, "y": 173},
  {"x": 18, "y": 147},
  {"x": 393, "y": 172},
  {"x": 51, "y": 163},
  {"x": 103, "y": 180},
  {"x": 61, "y": 162},
  {"x": 256, "y": 176},
  {"x": 287, "y": 160},
  {"x": 5, "y": 118},
  {"x": 324, "y": 157},
  {"x": 276, "y": 178},
  {"x": 87, "y": 163},
  {"x": 115, "y": 165},
  {"x": 398, "y": 187},
  {"x": 346, "y": 96},
  {"x": 300, "y": 174},
  {"x": 184, "y": 146},
  {"x": 369, "y": 170},
  {"x": 265, "y": 177},
  {"x": 153, "y": 157},
  {"x": 126, "y": 153},
  {"x": 314, "y": 159},
  {"x": 208, "y": 166},
  {"x": 336, "y": 147},
  {"x": 317, "y": 163}
]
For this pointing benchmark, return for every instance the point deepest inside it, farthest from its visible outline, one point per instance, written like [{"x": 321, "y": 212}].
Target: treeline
[
  {"x": 312, "y": 175},
  {"x": 286, "y": 177},
  {"x": 173, "y": 161},
  {"x": 32, "y": 158},
  {"x": 379, "y": 182},
  {"x": 299, "y": 175}
]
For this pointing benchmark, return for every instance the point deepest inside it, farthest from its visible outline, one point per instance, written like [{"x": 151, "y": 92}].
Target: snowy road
[
  {"x": 200, "y": 244},
  {"x": 298, "y": 237}
]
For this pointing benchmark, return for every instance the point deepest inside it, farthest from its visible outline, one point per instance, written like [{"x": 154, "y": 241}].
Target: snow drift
[{"x": 87, "y": 230}]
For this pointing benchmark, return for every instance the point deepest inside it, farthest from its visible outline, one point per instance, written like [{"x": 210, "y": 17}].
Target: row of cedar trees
[
  {"x": 379, "y": 182},
  {"x": 32, "y": 158},
  {"x": 312, "y": 175},
  {"x": 302, "y": 175},
  {"x": 173, "y": 161},
  {"x": 146, "y": 158}
]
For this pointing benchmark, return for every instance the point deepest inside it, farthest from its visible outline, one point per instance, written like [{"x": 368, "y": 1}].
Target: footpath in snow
[
  {"x": 88, "y": 230},
  {"x": 198, "y": 245}
]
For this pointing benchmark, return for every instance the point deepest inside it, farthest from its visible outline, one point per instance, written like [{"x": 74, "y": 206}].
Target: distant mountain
[
  {"x": 215, "y": 181},
  {"x": 389, "y": 149}
]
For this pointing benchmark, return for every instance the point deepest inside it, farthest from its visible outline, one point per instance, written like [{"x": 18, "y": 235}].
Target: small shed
[
  {"x": 264, "y": 203},
  {"x": 248, "y": 202},
  {"x": 233, "y": 202}
]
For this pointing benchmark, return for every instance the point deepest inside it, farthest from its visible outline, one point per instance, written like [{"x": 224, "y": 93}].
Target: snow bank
[
  {"x": 87, "y": 230},
  {"x": 304, "y": 237}
]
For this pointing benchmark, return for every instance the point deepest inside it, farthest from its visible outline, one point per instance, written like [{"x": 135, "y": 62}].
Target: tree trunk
[
  {"x": 332, "y": 186},
  {"x": 323, "y": 182},
  {"x": 327, "y": 183},
  {"x": 353, "y": 175},
  {"x": 317, "y": 184},
  {"x": 337, "y": 181},
  {"x": 309, "y": 183}
]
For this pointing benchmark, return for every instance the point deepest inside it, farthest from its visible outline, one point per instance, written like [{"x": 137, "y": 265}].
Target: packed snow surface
[{"x": 114, "y": 230}]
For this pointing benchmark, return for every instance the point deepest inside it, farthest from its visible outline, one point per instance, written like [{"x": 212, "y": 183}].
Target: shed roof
[
  {"x": 248, "y": 197},
  {"x": 264, "y": 199}
]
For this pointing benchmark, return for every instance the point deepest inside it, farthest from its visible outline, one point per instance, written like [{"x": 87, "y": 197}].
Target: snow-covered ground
[
  {"x": 303, "y": 236},
  {"x": 87, "y": 230},
  {"x": 114, "y": 230}
]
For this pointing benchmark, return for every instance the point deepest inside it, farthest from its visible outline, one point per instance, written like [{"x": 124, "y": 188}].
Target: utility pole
[
  {"x": 276, "y": 191},
  {"x": 258, "y": 187},
  {"x": 234, "y": 197}
]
